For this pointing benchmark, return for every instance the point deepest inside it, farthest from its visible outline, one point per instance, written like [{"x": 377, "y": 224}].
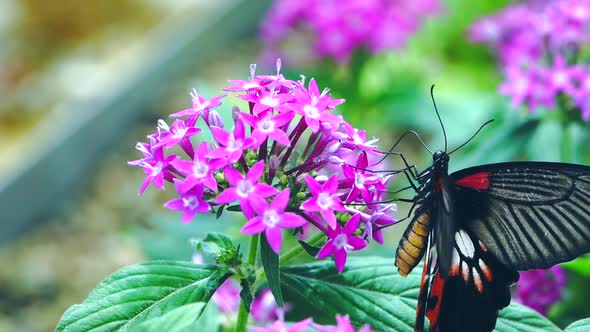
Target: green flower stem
[
  {"x": 289, "y": 255},
  {"x": 297, "y": 250},
  {"x": 243, "y": 314}
]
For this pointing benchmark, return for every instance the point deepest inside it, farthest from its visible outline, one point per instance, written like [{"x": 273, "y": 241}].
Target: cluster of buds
[
  {"x": 541, "y": 48},
  {"x": 288, "y": 162}
]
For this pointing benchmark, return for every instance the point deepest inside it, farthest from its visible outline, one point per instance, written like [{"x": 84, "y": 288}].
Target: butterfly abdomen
[{"x": 411, "y": 246}]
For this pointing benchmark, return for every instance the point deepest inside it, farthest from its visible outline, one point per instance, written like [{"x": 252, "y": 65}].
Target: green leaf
[
  {"x": 180, "y": 319},
  {"x": 518, "y": 318},
  {"x": 371, "y": 291},
  {"x": 270, "y": 263},
  {"x": 214, "y": 242},
  {"x": 579, "y": 326},
  {"x": 246, "y": 293},
  {"x": 140, "y": 292},
  {"x": 209, "y": 319},
  {"x": 311, "y": 250},
  {"x": 580, "y": 265},
  {"x": 546, "y": 141}
]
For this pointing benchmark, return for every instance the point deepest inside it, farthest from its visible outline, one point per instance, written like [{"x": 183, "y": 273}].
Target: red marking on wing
[
  {"x": 478, "y": 181},
  {"x": 435, "y": 300}
]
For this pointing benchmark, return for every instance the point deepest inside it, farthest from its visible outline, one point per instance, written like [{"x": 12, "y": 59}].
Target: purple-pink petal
[
  {"x": 281, "y": 200},
  {"x": 227, "y": 196},
  {"x": 280, "y": 136},
  {"x": 340, "y": 259},
  {"x": 356, "y": 242},
  {"x": 291, "y": 220},
  {"x": 352, "y": 225},
  {"x": 327, "y": 250},
  {"x": 274, "y": 236},
  {"x": 329, "y": 217},
  {"x": 232, "y": 175},
  {"x": 265, "y": 190},
  {"x": 259, "y": 204},
  {"x": 314, "y": 186},
  {"x": 253, "y": 226},
  {"x": 255, "y": 171}
]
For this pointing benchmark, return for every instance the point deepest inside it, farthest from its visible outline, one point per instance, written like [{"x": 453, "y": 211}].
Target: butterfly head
[{"x": 440, "y": 160}]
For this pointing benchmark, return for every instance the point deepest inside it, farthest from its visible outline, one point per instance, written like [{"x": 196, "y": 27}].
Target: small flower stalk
[
  {"x": 541, "y": 48},
  {"x": 287, "y": 162}
]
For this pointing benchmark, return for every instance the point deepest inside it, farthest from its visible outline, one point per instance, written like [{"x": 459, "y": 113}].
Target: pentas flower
[
  {"x": 325, "y": 199},
  {"x": 243, "y": 188},
  {"x": 200, "y": 107},
  {"x": 540, "y": 45},
  {"x": 361, "y": 180},
  {"x": 268, "y": 125},
  {"x": 190, "y": 202},
  {"x": 276, "y": 166},
  {"x": 227, "y": 297},
  {"x": 338, "y": 28},
  {"x": 264, "y": 308},
  {"x": 232, "y": 144},
  {"x": 157, "y": 169},
  {"x": 272, "y": 219},
  {"x": 342, "y": 240},
  {"x": 312, "y": 106},
  {"x": 540, "y": 289},
  {"x": 343, "y": 324},
  {"x": 281, "y": 326},
  {"x": 200, "y": 170}
]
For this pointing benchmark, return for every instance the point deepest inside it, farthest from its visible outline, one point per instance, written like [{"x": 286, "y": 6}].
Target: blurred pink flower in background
[
  {"x": 540, "y": 48},
  {"x": 540, "y": 289},
  {"x": 338, "y": 28}
]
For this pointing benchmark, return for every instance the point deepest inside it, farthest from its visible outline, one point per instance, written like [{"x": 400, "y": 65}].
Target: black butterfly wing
[
  {"x": 476, "y": 288},
  {"x": 529, "y": 214},
  {"x": 506, "y": 217}
]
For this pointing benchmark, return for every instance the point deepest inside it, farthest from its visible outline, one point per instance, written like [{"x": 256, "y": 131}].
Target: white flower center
[
  {"x": 359, "y": 180},
  {"x": 244, "y": 188},
  {"x": 269, "y": 101},
  {"x": 311, "y": 111},
  {"x": 157, "y": 169},
  {"x": 341, "y": 242},
  {"x": 190, "y": 202},
  {"x": 251, "y": 85},
  {"x": 179, "y": 132},
  {"x": 271, "y": 218},
  {"x": 200, "y": 169},
  {"x": 266, "y": 125},
  {"x": 234, "y": 144},
  {"x": 325, "y": 201},
  {"x": 560, "y": 78}
]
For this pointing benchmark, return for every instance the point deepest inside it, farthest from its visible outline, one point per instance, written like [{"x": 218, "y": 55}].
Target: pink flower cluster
[
  {"x": 540, "y": 289},
  {"x": 540, "y": 46},
  {"x": 340, "y": 27},
  {"x": 342, "y": 325},
  {"x": 275, "y": 164}
]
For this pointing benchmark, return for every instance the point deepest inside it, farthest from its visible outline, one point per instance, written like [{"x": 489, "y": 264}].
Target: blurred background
[{"x": 82, "y": 82}]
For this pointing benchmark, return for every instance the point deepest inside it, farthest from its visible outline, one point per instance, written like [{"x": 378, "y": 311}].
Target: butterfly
[{"x": 487, "y": 223}]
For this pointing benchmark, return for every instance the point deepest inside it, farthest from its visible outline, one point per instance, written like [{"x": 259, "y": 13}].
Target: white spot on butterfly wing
[
  {"x": 464, "y": 244},
  {"x": 465, "y": 271},
  {"x": 477, "y": 280}
]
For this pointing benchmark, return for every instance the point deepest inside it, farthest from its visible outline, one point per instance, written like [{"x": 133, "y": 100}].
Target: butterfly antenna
[
  {"x": 472, "y": 137},
  {"x": 438, "y": 115}
]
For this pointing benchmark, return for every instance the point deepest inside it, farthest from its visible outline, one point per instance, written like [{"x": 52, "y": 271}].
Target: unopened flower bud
[
  {"x": 273, "y": 163},
  {"x": 284, "y": 180},
  {"x": 220, "y": 177},
  {"x": 215, "y": 119},
  {"x": 300, "y": 195}
]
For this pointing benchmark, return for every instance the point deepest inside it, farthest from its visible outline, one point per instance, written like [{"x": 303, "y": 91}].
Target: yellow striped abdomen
[{"x": 411, "y": 246}]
